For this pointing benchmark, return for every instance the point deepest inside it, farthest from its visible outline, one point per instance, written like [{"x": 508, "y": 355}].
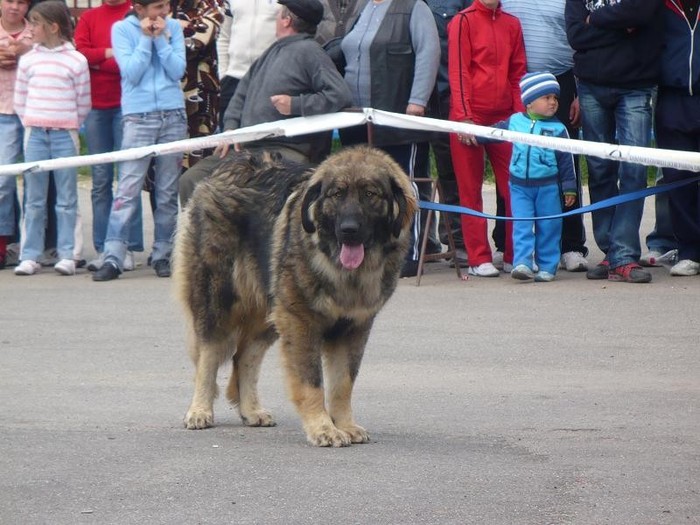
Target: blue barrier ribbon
[{"x": 606, "y": 203}]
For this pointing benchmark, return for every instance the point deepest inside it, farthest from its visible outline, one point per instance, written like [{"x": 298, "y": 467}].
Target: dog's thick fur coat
[{"x": 268, "y": 248}]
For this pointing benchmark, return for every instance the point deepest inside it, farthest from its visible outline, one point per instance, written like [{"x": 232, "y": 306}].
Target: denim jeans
[
  {"x": 103, "y": 133},
  {"x": 626, "y": 115},
  {"x": 144, "y": 129},
  {"x": 43, "y": 144},
  {"x": 11, "y": 131}
]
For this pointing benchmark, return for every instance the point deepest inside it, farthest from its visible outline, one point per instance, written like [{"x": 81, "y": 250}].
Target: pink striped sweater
[{"x": 53, "y": 87}]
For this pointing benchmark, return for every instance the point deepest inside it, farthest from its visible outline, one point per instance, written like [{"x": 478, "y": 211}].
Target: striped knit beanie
[{"x": 536, "y": 85}]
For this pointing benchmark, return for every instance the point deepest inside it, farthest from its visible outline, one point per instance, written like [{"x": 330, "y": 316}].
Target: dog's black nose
[{"x": 349, "y": 227}]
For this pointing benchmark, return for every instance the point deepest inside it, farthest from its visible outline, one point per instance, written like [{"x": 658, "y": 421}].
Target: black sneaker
[
  {"x": 162, "y": 267},
  {"x": 108, "y": 272},
  {"x": 409, "y": 269}
]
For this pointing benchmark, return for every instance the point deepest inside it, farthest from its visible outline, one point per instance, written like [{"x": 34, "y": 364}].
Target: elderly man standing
[{"x": 293, "y": 78}]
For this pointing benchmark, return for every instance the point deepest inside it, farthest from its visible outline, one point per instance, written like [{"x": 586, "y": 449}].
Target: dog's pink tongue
[{"x": 351, "y": 256}]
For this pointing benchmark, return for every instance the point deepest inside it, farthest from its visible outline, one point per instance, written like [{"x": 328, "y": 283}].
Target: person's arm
[
  {"x": 330, "y": 92},
  {"x": 459, "y": 59},
  {"x": 171, "y": 50},
  {"x": 20, "y": 95},
  {"x": 517, "y": 68},
  {"x": 625, "y": 14},
  {"x": 582, "y": 35},
  {"x": 426, "y": 45},
  {"x": 82, "y": 91},
  {"x": 224, "y": 40},
  {"x": 567, "y": 173},
  {"x": 132, "y": 53}
]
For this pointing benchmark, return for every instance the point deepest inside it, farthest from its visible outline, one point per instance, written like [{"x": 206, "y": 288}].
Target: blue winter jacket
[
  {"x": 680, "y": 64},
  {"x": 150, "y": 68},
  {"x": 535, "y": 166}
]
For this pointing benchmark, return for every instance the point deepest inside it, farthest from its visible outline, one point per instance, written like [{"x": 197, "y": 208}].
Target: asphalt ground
[{"x": 488, "y": 401}]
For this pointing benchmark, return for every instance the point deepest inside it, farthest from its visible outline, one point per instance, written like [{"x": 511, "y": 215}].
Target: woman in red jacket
[{"x": 486, "y": 62}]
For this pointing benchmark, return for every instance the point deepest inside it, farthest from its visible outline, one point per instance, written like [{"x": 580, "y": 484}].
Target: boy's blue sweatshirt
[
  {"x": 535, "y": 166},
  {"x": 150, "y": 68}
]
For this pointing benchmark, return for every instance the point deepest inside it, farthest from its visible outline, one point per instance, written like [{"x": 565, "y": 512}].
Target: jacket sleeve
[
  {"x": 459, "y": 55},
  {"x": 82, "y": 90},
  {"x": 583, "y": 36},
  {"x": 426, "y": 43},
  {"x": 171, "y": 51},
  {"x": 330, "y": 92},
  {"x": 502, "y": 124},
  {"x": 517, "y": 69},
  {"x": 625, "y": 14},
  {"x": 134, "y": 58},
  {"x": 223, "y": 41},
  {"x": 20, "y": 95},
  {"x": 565, "y": 165}
]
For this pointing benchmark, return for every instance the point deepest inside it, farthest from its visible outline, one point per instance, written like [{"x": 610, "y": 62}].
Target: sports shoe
[
  {"x": 486, "y": 269},
  {"x": 507, "y": 267},
  {"x": 544, "y": 277},
  {"x": 629, "y": 273},
  {"x": 108, "y": 272},
  {"x": 49, "y": 257},
  {"x": 162, "y": 267},
  {"x": 27, "y": 268},
  {"x": 650, "y": 259},
  {"x": 573, "y": 262},
  {"x": 599, "y": 271},
  {"x": 12, "y": 256},
  {"x": 685, "y": 267},
  {"x": 65, "y": 267},
  {"x": 497, "y": 259},
  {"x": 408, "y": 269},
  {"x": 522, "y": 273},
  {"x": 97, "y": 263},
  {"x": 129, "y": 261}
]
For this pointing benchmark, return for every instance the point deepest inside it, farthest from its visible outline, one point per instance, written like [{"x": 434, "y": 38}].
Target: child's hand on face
[
  {"x": 153, "y": 28},
  {"x": 569, "y": 200}
]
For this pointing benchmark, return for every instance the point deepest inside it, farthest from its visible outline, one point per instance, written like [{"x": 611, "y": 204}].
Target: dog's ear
[
  {"x": 312, "y": 194},
  {"x": 399, "y": 197}
]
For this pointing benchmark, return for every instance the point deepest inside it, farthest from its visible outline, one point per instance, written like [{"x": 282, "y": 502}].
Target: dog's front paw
[
  {"x": 198, "y": 418},
  {"x": 328, "y": 436},
  {"x": 258, "y": 418},
  {"x": 356, "y": 432}
]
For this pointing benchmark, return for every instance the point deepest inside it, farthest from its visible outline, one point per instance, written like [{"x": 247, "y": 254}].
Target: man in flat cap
[{"x": 294, "y": 77}]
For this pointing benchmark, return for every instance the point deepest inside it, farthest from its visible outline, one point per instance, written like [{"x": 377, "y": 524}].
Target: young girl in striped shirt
[{"x": 52, "y": 99}]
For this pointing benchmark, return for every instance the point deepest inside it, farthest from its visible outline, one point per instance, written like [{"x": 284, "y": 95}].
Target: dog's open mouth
[{"x": 351, "y": 256}]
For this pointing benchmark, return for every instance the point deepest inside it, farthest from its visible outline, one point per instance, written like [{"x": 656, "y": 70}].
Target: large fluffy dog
[{"x": 266, "y": 248}]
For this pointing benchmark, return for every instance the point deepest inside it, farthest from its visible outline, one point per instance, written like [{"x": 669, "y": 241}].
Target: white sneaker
[
  {"x": 128, "y": 265},
  {"x": 27, "y": 268},
  {"x": 522, "y": 273},
  {"x": 685, "y": 267},
  {"x": 65, "y": 267},
  {"x": 497, "y": 259},
  {"x": 486, "y": 269},
  {"x": 573, "y": 262},
  {"x": 650, "y": 259},
  {"x": 544, "y": 277},
  {"x": 97, "y": 263}
]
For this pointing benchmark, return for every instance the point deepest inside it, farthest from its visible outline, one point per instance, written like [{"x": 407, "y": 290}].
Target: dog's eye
[
  {"x": 370, "y": 193},
  {"x": 338, "y": 194}
]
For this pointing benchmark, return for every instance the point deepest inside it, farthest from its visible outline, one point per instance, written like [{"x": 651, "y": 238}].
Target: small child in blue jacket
[{"x": 538, "y": 179}]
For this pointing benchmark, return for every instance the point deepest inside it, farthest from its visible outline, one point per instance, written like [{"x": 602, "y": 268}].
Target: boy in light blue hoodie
[
  {"x": 539, "y": 178},
  {"x": 150, "y": 51}
]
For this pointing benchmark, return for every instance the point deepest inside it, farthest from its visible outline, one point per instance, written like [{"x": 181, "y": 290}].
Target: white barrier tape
[{"x": 684, "y": 160}]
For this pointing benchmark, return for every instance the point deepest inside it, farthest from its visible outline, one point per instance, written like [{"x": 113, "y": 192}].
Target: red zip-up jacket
[{"x": 486, "y": 60}]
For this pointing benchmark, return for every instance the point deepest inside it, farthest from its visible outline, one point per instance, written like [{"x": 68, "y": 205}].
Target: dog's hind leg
[
  {"x": 243, "y": 387},
  {"x": 341, "y": 365},
  {"x": 207, "y": 358}
]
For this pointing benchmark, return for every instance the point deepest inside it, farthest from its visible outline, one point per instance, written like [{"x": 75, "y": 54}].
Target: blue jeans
[
  {"x": 661, "y": 239},
  {"x": 145, "y": 129},
  {"x": 43, "y": 144},
  {"x": 538, "y": 239},
  {"x": 626, "y": 115},
  {"x": 103, "y": 133},
  {"x": 11, "y": 131}
]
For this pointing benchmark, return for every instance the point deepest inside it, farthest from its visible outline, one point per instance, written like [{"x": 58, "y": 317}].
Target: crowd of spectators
[{"x": 614, "y": 71}]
